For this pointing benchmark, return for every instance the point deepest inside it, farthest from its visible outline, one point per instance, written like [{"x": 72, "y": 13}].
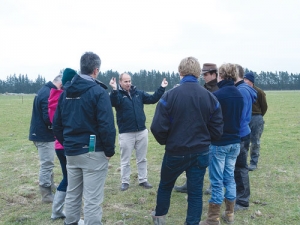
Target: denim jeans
[
  {"x": 172, "y": 166},
  {"x": 60, "y": 153},
  {"x": 257, "y": 128},
  {"x": 221, "y": 172},
  {"x": 241, "y": 174}
]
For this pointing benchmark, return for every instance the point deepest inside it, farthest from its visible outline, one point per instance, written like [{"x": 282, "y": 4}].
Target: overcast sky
[{"x": 42, "y": 37}]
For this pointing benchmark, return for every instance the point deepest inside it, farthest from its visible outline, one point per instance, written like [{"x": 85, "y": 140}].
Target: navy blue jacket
[
  {"x": 186, "y": 119},
  {"x": 40, "y": 125},
  {"x": 232, "y": 104},
  {"x": 130, "y": 108},
  {"x": 84, "y": 109}
]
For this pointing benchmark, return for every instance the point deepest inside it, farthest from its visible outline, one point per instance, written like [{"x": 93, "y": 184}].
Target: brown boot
[
  {"x": 228, "y": 214},
  {"x": 213, "y": 215}
]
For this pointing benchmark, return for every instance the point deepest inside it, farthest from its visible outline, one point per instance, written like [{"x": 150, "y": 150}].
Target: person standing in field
[
  {"x": 60, "y": 194},
  {"x": 133, "y": 134},
  {"x": 223, "y": 152},
  {"x": 84, "y": 124},
  {"x": 259, "y": 109},
  {"x": 186, "y": 120},
  {"x": 209, "y": 73},
  {"x": 41, "y": 134},
  {"x": 241, "y": 172}
]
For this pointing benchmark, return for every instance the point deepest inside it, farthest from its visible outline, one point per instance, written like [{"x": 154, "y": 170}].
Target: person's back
[
  {"x": 84, "y": 124},
  {"x": 259, "y": 109},
  {"x": 190, "y": 108},
  {"x": 186, "y": 119},
  {"x": 241, "y": 173},
  {"x": 41, "y": 134}
]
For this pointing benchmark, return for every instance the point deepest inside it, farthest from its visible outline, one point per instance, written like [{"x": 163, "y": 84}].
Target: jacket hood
[{"x": 78, "y": 86}]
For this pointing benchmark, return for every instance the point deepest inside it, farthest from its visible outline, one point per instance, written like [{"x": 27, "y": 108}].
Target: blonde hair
[
  {"x": 189, "y": 65},
  {"x": 228, "y": 71}
]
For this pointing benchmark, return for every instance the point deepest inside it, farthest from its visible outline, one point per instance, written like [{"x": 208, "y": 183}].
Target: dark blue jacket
[
  {"x": 130, "y": 108},
  {"x": 84, "y": 109},
  {"x": 249, "y": 96},
  {"x": 40, "y": 125},
  {"x": 232, "y": 104},
  {"x": 186, "y": 119}
]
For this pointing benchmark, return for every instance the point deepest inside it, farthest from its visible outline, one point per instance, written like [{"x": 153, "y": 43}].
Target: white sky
[{"x": 42, "y": 37}]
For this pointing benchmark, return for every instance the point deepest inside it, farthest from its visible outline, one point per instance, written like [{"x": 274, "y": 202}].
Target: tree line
[{"x": 151, "y": 80}]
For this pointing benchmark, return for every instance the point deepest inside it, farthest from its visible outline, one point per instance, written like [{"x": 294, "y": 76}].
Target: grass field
[{"x": 274, "y": 186}]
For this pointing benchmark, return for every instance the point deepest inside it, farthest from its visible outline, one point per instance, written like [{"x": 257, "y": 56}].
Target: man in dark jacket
[
  {"x": 42, "y": 136},
  {"x": 241, "y": 172},
  {"x": 259, "y": 109},
  {"x": 186, "y": 120},
  {"x": 209, "y": 73},
  {"x": 84, "y": 125},
  {"x": 129, "y": 104}
]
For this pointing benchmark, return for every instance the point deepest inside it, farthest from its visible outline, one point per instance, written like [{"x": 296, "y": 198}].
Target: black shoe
[
  {"x": 182, "y": 189},
  {"x": 238, "y": 207},
  {"x": 146, "y": 185},
  {"x": 124, "y": 187},
  {"x": 252, "y": 167}
]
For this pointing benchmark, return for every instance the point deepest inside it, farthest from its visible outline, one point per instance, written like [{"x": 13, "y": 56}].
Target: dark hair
[
  {"x": 88, "y": 62},
  {"x": 240, "y": 71}
]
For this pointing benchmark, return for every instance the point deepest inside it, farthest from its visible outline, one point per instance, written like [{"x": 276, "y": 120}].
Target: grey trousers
[
  {"x": 139, "y": 142},
  {"x": 257, "y": 127},
  {"x": 46, "y": 152},
  {"x": 86, "y": 178}
]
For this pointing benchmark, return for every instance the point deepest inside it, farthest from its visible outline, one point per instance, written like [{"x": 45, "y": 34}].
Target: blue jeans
[
  {"x": 257, "y": 127},
  {"x": 221, "y": 172},
  {"x": 241, "y": 174},
  {"x": 172, "y": 166},
  {"x": 63, "y": 164}
]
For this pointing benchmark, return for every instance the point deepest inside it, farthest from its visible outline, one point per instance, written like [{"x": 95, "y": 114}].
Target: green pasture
[{"x": 275, "y": 185}]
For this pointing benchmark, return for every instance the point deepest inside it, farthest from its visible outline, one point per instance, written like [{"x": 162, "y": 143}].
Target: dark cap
[
  {"x": 209, "y": 67},
  {"x": 68, "y": 75},
  {"x": 250, "y": 76}
]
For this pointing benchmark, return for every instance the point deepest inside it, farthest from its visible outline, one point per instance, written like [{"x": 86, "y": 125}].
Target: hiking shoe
[
  {"x": 252, "y": 167},
  {"x": 238, "y": 207},
  {"x": 124, "y": 187},
  {"x": 146, "y": 185},
  {"x": 182, "y": 189}
]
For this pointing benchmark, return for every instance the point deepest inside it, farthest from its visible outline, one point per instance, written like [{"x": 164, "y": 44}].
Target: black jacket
[
  {"x": 84, "y": 109},
  {"x": 186, "y": 119},
  {"x": 130, "y": 108},
  {"x": 40, "y": 125}
]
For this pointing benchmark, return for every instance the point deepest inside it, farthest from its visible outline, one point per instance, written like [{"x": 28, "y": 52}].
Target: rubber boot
[
  {"x": 182, "y": 189},
  {"x": 228, "y": 214},
  {"x": 47, "y": 196},
  {"x": 158, "y": 220},
  {"x": 213, "y": 215},
  {"x": 58, "y": 205}
]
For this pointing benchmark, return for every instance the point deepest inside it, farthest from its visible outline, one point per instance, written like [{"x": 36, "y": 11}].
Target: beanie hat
[
  {"x": 68, "y": 75},
  {"x": 250, "y": 76},
  {"x": 208, "y": 67}
]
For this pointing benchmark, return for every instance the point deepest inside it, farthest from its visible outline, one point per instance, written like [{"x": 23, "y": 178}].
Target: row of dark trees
[{"x": 151, "y": 80}]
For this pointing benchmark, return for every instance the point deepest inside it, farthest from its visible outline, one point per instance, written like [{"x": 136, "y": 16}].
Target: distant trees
[{"x": 151, "y": 80}]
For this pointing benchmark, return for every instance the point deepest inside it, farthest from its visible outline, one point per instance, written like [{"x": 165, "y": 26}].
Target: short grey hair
[
  {"x": 57, "y": 79},
  {"x": 88, "y": 62}
]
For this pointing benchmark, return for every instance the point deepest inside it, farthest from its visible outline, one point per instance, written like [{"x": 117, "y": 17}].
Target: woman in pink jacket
[{"x": 59, "y": 198}]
